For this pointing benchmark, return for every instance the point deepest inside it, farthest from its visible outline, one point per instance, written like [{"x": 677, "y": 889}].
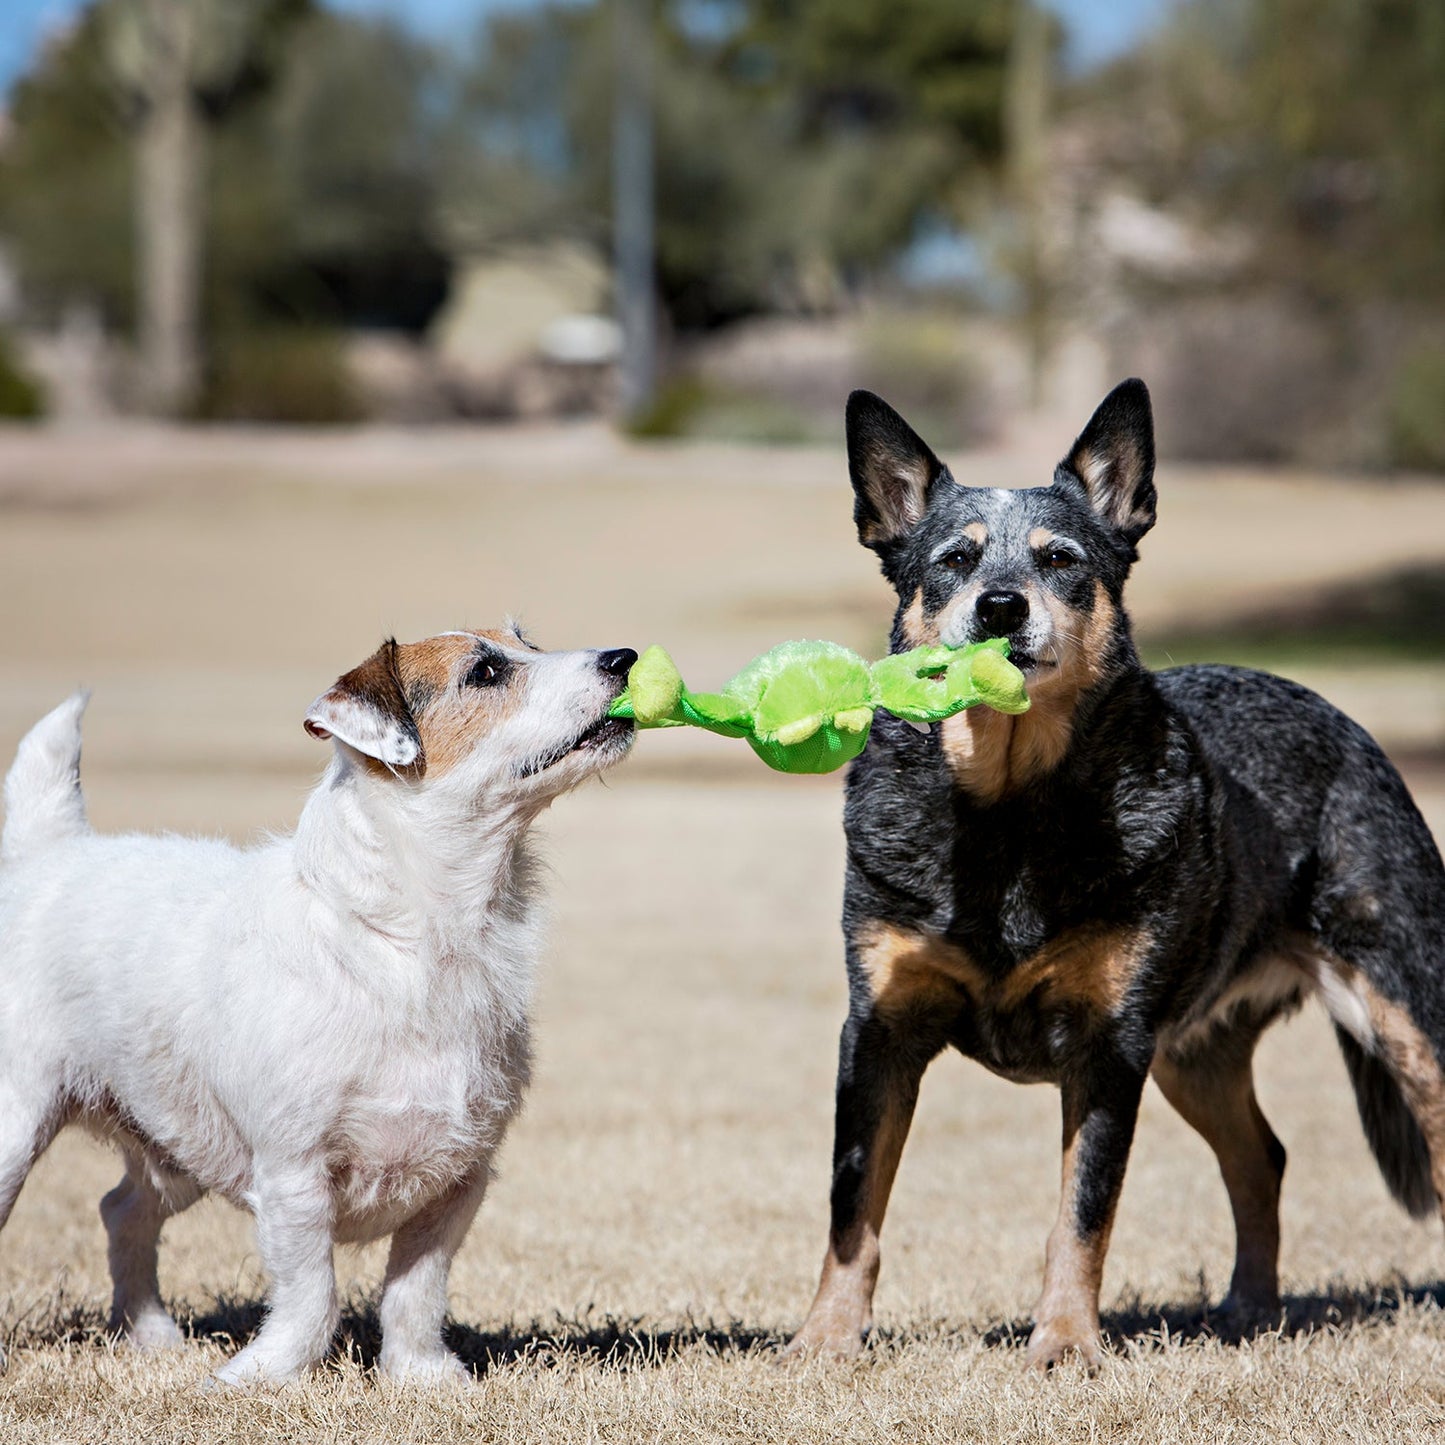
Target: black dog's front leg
[
  {"x": 1100, "y": 1096},
  {"x": 880, "y": 1066}
]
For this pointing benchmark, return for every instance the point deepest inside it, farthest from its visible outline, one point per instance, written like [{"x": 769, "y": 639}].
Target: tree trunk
[
  {"x": 1026, "y": 137},
  {"x": 632, "y": 214},
  {"x": 169, "y": 226}
]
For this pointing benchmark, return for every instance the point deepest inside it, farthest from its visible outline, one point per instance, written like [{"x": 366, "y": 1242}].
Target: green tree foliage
[
  {"x": 320, "y": 184},
  {"x": 66, "y": 179},
  {"x": 351, "y": 142},
  {"x": 21, "y": 397},
  {"x": 858, "y": 64},
  {"x": 166, "y": 58},
  {"x": 798, "y": 145}
]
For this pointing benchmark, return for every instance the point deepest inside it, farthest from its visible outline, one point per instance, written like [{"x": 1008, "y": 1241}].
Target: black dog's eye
[
  {"x": 957, "y": 561},
  {"x": 486, "y": 672},
  {"x": 1057, "y": 557}
]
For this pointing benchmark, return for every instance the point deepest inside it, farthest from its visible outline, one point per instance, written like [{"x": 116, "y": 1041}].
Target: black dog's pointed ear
[
  {"x": 892, "y": 469},
  {"x": 1113, "y": 460}
]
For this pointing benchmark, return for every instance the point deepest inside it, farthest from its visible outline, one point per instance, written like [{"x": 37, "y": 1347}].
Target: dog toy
[{"x": 807, "y": 707}]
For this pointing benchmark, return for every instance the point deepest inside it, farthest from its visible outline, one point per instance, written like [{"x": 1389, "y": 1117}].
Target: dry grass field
[{"x": 662, "y": 1206}]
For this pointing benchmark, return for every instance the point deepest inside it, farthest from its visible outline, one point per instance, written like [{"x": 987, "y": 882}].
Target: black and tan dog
[{"x": 1137, "y": 876}]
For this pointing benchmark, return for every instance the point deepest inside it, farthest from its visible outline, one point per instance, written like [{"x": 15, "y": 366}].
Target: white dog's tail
[{"x": 43, "y": 802}]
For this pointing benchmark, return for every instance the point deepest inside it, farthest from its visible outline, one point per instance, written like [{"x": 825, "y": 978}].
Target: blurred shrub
[
  {"x": 21, "y": 398},
  {"x": 297, "y": 375},
  {"x": 690, "y": 407},
  {"x": 1250, "y": 378},
  {"x": 920, "y": 365},
  {"x": 1415, "y": 411},
  {"x": 673, "y": 410}
]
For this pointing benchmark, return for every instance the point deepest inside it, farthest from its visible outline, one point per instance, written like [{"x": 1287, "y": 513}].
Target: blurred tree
[
  {"x": 798, "y": 146},
  {"x": 323, "y": 144},
  {"x": 1319, "y": 123},
  {"x": 65, "y": 183},
  {"x": 345, "y": 152},
  {"x": 169, "y": 58},
  {"x": 1026, "y": 115},
  {"x": 865, "y": 65},
  {"x": 1302, "y": 143},
  {"x": 634, "y": 262}
]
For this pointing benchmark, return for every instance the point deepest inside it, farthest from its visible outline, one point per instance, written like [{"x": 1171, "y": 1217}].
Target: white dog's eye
[{"x": 487, "y": 672}]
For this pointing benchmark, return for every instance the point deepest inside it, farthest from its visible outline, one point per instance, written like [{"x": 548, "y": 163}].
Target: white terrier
[{"x": 329, "y": 1029}]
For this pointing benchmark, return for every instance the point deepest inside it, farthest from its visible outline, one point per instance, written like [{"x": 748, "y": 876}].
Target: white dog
[{"x": 329, "y": 1029}]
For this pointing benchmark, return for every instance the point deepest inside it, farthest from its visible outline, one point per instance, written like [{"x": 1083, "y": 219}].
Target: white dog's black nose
[
  {"x": 617, "y": 660},
  {"x": 1002, "y": 612}
]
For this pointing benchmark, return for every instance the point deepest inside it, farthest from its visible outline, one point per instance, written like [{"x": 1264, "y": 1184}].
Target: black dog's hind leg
[
  {"x": 1100, "y": 1097},
  {"x": 880, "y": 1066},
  {"x": 1212, "y": 1088}
]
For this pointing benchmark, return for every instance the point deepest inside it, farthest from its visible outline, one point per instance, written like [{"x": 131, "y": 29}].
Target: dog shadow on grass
[
  {"x": 1140, "y": 1323},
  {"x": 604, "y": 1340},
  {"x": 632, "y": 1344},
  {"x": 231, "y": 1321}
]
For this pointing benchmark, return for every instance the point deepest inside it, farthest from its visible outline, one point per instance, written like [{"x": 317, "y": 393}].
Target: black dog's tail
[{"x": 1395, "y": 1138}]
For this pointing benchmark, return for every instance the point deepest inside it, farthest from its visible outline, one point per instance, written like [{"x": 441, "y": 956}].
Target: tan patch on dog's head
[
  {"x": 409, "y": 707},
  {"x": 451, "y": 715},
  {"x": 992, "y": 754},
  {"x": 917, "y": 630},
  {"x": 1081, "y": 645}
]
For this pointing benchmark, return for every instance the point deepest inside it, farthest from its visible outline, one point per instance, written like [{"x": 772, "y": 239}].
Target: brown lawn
[{"x": 662, "y": 1208}]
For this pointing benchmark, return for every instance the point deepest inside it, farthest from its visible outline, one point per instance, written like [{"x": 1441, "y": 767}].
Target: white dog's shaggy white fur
[{"x": 329, "y": 1029}]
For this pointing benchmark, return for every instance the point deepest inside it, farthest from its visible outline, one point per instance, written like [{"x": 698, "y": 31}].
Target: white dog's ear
[{"x": 367, "y": 710}]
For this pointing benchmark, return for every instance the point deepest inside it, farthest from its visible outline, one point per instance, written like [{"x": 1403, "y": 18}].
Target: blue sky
[{"x": 1098, "y": 29}]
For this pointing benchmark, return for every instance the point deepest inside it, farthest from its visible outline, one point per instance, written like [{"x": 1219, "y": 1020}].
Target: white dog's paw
[
  {"x": 435, "y": 1367},
  {"x": 154, "y": 1330},
  {"x": 254, "y": 1368}
]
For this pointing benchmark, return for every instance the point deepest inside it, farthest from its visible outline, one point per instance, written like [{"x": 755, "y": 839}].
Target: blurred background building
[{"x": 306, "y": 212}]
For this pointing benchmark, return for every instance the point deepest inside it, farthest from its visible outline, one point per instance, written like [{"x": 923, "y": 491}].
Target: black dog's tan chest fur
[
  {"x": 1024, "y": 1023},
  {"x": 1135, "y": 878},
  {"x": 1032, "y": 916}
]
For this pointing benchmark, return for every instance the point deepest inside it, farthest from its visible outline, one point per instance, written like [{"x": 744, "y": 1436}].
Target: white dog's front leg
[
  {"x": 293, "y": 1211},
  {"x": 414, "y": 1296}
]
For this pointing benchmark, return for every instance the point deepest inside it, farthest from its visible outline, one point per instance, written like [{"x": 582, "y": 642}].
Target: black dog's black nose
[
  {"x": 1002, "y": 612},
  {"x": 617, "y": 660}
]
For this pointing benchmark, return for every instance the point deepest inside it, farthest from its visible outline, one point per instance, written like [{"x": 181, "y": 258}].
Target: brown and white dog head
[{"x": 483, "y": 712}]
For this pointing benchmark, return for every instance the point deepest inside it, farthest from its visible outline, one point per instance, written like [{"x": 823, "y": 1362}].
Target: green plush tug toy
[{"x": 807, "y": 707}]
